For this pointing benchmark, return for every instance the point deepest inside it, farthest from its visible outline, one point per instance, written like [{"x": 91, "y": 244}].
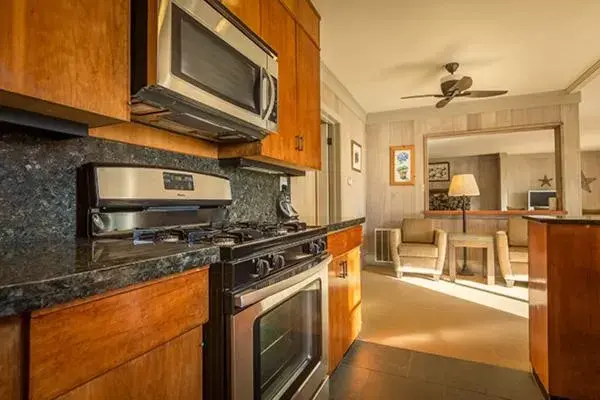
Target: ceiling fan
[{"x": 457, "y": 86}]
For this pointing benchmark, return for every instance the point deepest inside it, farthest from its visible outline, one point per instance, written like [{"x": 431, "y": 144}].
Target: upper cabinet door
[
  {"x": 67, "y": 59},
  {"x": 309, "y": 99},
  {"x": 309, "y": 19},
  {"x": 279, "y": 31},
  {"x": 248, "y": 11}
]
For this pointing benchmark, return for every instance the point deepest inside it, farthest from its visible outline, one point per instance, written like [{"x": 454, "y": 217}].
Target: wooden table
[{"x": 472, "y": 241}]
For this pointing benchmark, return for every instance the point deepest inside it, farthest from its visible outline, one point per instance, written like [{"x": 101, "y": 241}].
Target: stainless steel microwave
[{"x": 198, "y": 70}]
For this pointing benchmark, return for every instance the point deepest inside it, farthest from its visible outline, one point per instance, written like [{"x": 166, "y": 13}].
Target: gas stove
[{"x": 127, "y": 209}]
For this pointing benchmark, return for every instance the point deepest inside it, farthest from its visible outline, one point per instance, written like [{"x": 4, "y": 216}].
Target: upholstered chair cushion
[
  {"x": 517, "y": 232},
  {"x": 518, "y": 254},
  {"x": 417, "y": 231},
  {"x": 418, "y": 250}
]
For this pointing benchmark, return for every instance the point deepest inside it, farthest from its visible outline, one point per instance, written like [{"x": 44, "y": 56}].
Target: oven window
[
  {"x": 203, "y": 59},
  {"x": 288, "y": 341}
]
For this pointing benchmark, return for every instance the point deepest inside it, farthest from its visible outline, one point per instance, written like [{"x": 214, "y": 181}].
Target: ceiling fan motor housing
[{"x": 447, "y": 82}]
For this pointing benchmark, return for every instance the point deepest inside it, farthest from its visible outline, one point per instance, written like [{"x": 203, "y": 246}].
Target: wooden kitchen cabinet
[
  {"x": 309, "y": 100},
  {"x": 140, "y": 342},
  {"x": 248, "y": 11},
  {"x": 67, "y": 59},
  {"x": 298, "y": 143},
  {"x": 345, "y": 297},
  {"x": 170, "y": 371},
  {"x": 279, "y": 30}
]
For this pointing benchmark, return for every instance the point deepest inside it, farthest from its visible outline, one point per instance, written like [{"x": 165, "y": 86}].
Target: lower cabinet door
[
  {"x": 170, "y": 371},
  {"x": 338, "y": 312},
  {"x": 354, "y": 293}
]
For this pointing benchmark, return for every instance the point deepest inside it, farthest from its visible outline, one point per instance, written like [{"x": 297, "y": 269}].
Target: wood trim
[
  {"x": 12, "y": 359},
  {"x": 142, "y": 135},
  {"x": 411, "y": 148},
  {"x": 487, "y": 131},
  {"x": 557, "y": 127},
  {"x": 341, "y": 242},
  {"x": 586, "y": 77},
  {"x": 501, "y": 213},
  {"x": 73, "y": 345}
]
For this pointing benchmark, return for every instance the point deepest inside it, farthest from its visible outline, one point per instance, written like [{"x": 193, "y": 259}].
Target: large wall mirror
[{"x": 513, "y": 170}]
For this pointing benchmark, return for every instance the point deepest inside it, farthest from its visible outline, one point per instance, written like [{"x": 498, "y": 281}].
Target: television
[{"x": 539, "y": 199}]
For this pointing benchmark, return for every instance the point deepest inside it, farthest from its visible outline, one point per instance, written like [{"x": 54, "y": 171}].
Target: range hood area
[
  {"x": 197, "y": 70},
  {"x": 258, "y": 166}
]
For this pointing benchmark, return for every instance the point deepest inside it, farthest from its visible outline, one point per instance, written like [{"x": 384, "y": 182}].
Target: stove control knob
[
  {"x": 263, "y": 267},
  {"x": 322, "y": 244},
  {"x": 278, "y": 261},
  {"x": 313, "y": 248}
]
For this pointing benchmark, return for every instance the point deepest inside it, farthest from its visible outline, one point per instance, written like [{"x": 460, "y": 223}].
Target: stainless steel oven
[
  {"x": 198, "y": 70},
  {"x": 278, "y": 338}
]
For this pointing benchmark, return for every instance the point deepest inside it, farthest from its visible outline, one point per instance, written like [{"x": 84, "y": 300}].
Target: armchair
[
  {"x": 513, "y": 252},
  {"x": 418, "y": 248}
]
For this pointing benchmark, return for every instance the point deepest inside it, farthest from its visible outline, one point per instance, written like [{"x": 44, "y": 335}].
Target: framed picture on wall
[
  {"x": 356, "y": 156},
  {"x": 439, "y": 172},
  {"x": 402, "y": 165}
]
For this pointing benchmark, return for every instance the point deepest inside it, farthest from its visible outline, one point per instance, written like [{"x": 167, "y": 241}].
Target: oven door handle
[{"x": 252, "y": 296}]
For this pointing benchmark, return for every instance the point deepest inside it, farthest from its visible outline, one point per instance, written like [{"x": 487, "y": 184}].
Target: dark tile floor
[{"x": 373, "y": 371}]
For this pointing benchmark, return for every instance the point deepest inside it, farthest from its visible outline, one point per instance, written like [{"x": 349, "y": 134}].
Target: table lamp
[{"x": 464, "y": 185}]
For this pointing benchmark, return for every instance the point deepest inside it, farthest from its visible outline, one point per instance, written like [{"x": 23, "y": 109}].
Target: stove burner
[{"x": 223, "y": 241}]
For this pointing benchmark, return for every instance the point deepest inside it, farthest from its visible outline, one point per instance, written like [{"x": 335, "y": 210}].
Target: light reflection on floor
[{"x": 444, "y": 318}]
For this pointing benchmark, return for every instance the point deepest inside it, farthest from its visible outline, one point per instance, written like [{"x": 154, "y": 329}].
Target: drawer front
[
  {"x": 342, "y": 242},
  {"x": 171, "y": 371},
  {"x": 72, "y": 345}
]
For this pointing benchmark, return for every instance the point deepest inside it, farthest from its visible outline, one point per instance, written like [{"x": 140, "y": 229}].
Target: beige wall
[
  {"x": 340, "y": 106},
  {"x": 388, "y": 205},
  {"x": 485, "y": 168}
]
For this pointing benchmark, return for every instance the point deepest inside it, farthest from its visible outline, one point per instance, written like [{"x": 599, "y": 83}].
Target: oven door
[
  {"x": 204, "y": 55},
  {"x": 279, "y": 341}
]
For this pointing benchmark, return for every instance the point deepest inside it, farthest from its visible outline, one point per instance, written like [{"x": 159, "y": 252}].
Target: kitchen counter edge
[
  {"x": 568, "y": 220},
  {"x": 349, "y": 223},
  {"x": 34, "y": 295}
]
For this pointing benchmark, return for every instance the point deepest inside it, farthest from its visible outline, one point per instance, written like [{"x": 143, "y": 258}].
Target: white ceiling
[
  {"x": 384, "y": 49},
  {"x": 510, "y": 143}
]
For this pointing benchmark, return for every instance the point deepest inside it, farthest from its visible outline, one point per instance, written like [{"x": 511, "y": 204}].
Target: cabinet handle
[
  {"x": 345, "y": 269},
  {"x": 297, "y": 144},
  {"x": 301, "y": 143},
  {"x": 341, "y": 273}
]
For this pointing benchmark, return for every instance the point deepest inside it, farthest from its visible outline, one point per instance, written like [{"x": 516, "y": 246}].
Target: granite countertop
[
  {"x": 566, "y": 219},
  {"x": 40, "y": 275},
  {"x": 343, "y": 224}
]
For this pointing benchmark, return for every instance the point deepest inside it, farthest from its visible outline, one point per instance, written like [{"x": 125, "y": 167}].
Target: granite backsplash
[{"x": 37, "y": 181}]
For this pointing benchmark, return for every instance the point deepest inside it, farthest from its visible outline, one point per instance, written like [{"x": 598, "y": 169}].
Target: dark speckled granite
[
  {"x": 565, "y": 219},
  {"x": 338, "y": 226},
  {"x": 37, "y": 182},
  {"x": 42, "y": 275}
]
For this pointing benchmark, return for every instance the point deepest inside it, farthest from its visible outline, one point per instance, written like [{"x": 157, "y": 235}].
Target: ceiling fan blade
[
  {"x": 443, "y": 103},
  {"x": 482, "y": 93},
  {"x": 465, "y": 83},
  {"x": 420, "y": 96}
]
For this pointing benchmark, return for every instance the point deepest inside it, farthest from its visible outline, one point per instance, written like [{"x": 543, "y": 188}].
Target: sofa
[
  {"x": 417, "y": 247},
  {"x": 513, "y": 253}
]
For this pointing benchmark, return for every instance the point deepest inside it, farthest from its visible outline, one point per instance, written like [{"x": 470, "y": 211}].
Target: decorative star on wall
[
  {"x": 585, "y": 182},
  {"x": 545, "y": 181}
]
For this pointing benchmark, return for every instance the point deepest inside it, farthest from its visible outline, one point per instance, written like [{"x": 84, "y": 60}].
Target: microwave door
[{"x": 213, "y": 63}]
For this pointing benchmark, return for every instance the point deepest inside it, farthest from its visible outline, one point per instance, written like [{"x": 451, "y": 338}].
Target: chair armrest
[
  {"x": 395, "y": 242},
  {"x": 503, "y": 255},
  {"x": 441, "y": 241}
]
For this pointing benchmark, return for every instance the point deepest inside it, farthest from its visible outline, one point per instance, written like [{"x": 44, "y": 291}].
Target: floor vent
[{"x": 382, "y": 245}]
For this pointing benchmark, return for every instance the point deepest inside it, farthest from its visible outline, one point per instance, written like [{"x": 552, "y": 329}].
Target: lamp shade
[{"x": 463, "y": 185}]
